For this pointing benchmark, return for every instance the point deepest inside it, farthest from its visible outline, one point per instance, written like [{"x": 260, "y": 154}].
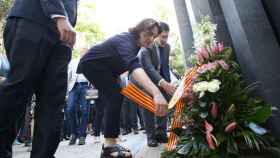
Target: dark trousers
[
  {"x": 38, "y": 65},
  {"x": 140, "y": 115},
  {"x": 126, "y": 122},
  {"x": 99, "y": 73},
  {"x": 65, "y": 131},
  {"x": 65, "y": 127},
  {"x": 129, "y": 114},
  {"x": 152, "y": 123},
  {"x": 77, "y": 101},
  {"x": 100, "y": 103}
]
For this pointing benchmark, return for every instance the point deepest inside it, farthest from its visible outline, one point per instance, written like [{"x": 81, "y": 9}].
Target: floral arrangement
[{"x": 222, "y": 117}]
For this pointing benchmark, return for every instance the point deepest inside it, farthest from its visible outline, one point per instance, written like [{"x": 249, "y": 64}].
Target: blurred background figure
[
  {"x": 77, "y": 87},
  {"x": 4, "y": 67}
]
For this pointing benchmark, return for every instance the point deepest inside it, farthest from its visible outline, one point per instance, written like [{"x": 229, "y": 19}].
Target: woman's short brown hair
[{"x": 145, "y": 25}]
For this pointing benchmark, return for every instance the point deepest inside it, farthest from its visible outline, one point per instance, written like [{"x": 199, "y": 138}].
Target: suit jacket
[
  {"x": 151, "y": 62},
  {"x": 40, "y": 11}
]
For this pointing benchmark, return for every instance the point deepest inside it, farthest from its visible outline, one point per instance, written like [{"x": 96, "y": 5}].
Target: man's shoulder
[
  {"x": 145, "y": 51},
  {"x": 167, "y": 46}
]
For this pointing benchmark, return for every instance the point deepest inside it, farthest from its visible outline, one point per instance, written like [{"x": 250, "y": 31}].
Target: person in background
[
  {"x": 155, "y": 61},
  {"x": 65, "y": 127},
  {"x": 128, "y": 111},
  {"x": 26, "y": 131},
  {"x": 100, "y": 103},
  {"x": 77, "y": 87},
  {"x": 4, "y": 67},
  {"x": 24, "y": 126},
  {"x": 129, "y": 117},
  {"x": 140, "y": 117},
  {"x": 109, "y": 60},
  {"x": 91, "y": 97}
]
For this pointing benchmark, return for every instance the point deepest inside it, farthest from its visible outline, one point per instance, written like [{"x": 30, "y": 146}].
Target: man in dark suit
[
  {"x": 155, "y": 61},
  {"x": 38, "y": 39}
]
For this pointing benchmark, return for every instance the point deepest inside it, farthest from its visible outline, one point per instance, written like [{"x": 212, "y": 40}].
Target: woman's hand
[
  {"x": 161, "y": 105},
  {"x": 142, "y": 78}
]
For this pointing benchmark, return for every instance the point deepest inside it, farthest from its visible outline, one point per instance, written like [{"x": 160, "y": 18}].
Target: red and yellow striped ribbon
[
  {"x": 140, "y": 98},
  {"x": 179, "y": 106}
]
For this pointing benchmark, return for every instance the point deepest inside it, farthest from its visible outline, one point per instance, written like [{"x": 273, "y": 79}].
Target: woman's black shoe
[
  {"x": 152, "y": 142},
  {"x": 115, "y": 151}
]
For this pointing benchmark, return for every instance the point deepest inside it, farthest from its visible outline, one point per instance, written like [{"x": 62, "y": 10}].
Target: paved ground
[{"x": 137, "y": 143}]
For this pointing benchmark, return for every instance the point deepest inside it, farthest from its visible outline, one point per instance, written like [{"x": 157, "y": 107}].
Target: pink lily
[
  {"x": 223, "y": 64},
  {"x": 214, "y": 110},
  {"x": 230, "y": 127},
  {"x": 209, "y": 136},
  {"x": 204, "y": 53},
  {"x": 221, "y": 47},
  {"x": 215, "y": 49},
  {"x": 200, "y": 58}
]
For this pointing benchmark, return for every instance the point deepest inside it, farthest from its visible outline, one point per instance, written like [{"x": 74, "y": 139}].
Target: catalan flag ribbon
[
  {"x": 138, "y": 96},
  {"x": 179, "y": 104}
]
